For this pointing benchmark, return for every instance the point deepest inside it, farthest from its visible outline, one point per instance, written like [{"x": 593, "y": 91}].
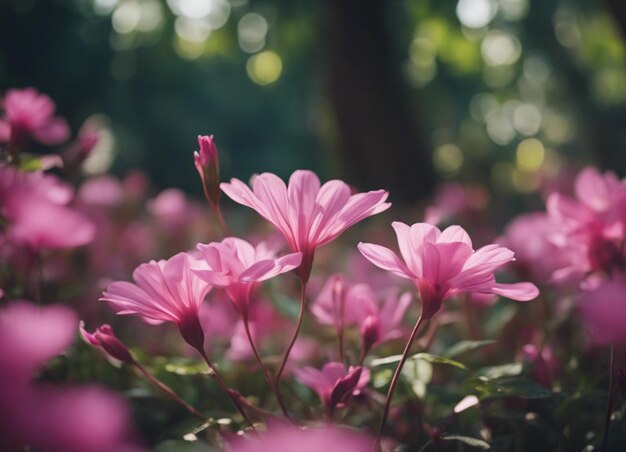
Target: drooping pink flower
[
  {"x": 307, "y": 213},
  {"x": 333, "y": 384},
  {"x": 36, "y": 211},
  {"x": 591, "y": 227},
  {"x": 164, "y": 291},
  {"x": 287, "y": 438},
  {"x": 28, "y": 114},
  {"x": 442, "y": 264},
  {"x": 238, "y": 267},
  {"x": 603, "y": 312}
]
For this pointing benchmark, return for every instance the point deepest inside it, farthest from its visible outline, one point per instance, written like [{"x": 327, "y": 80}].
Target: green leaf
[
  {"x": 423, "y": 356},
  {"x": 185, "y": 367},
  {"x": 439, "y": 360},
  {"x": 506, "y": 387},
  {"x": 474, "y": 442},
  {"x": 504, "y": 370},
  {"x": 465, "y": 346}
]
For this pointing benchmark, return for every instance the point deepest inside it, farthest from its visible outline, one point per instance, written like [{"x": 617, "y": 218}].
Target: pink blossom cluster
[{"x": 578, "y": 244}]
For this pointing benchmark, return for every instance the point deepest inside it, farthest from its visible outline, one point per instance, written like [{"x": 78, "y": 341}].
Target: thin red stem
[
  {"x": 266, "y": 372},
  {"x": 396, "y": 374},
  {"x": 166, "y": 389},
  {"x": 293, "y": 341},
  {"x": 221, "y": 221},
  {"x": 227, "y": 390}
]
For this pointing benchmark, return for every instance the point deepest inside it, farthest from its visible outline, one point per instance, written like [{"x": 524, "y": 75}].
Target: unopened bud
[
  {"x": 105, "y": 338},
  {"x": 370, "y": 333},
  {"x": 344, "y": 387},
  {"x": 208, "y": 166}
]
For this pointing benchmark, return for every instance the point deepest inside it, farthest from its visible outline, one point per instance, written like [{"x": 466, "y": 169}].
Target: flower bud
[
  {"x": 370, "y": 333},
  {"x": 344, "y": 387},
  {"x": 105, "y": 338},
  {"x": 208, "y": 166}
]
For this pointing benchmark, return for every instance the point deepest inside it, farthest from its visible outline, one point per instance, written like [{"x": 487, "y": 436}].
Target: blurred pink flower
[
  {"x": 378, "y": 316},
  {"x": 287, "y": 438},
  {"x": 236, "y": 266},
  {"x": 544, "y": 365},
  {"x": 442, "y": 264},
  {"x": 101, "y": 191},
  {"x": 30, "y": 336},
  {"x": 385, "y": 322},
  {"x": 333, "y": 384},
  {"x": 340, "y": 303},
  {"x": 603, "y": 312},
  {"x": 173, "y": 210},
  {"x": 307, "y": 213},
  {"x": 28, "y": 114},
  {"x": 164, "y": 291},
  {"x": 528, "y": 235},
  {"x": 41, "y": 417},
  {"x": 35, "y": 208},
  {"x": 591, "y": 227}
]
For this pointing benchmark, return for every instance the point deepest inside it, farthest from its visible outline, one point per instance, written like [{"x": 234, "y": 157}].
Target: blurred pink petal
[
  {"x": 30, "y": 114},
  {"x": 603, "y": 312},
  {"x": 283, "y": 438}
]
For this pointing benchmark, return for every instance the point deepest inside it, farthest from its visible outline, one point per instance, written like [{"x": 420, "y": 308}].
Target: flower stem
[
  {"x": 166, "y": 389},
  {"x": 609, "y": 401},
  {"x": 394, "y": 379},
  {"x": 293, "y": 341},
  {"x": 266, "y": 372},
  {"x": 220, "y": 219},
  {"x": 227, "y": 390}
]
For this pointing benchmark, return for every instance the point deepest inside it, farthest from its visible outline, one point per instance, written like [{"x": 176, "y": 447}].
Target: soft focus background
[{"x": 385, "y": 94}]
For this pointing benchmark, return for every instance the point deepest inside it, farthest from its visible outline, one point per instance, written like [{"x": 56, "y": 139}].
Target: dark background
[{"x": 385, "y": 94}]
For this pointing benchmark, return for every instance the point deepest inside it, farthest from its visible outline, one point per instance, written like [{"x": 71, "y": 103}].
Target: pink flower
[
  {"x": 528, "y": 235},
  {"x": 287, "y": 438},
  {"x": 164, "y": 291},
  {"x": 41, "y": 417},
  {"x": 35, "y": 208},
  {"x": 342, "y": 304},
  {"x": 236, "y": 266},
  {"x": 30, "y": 336},
  {"x": 307, "y": 213},
  {"x": 591, "y": 227},
  {"x": 603, "y": 312},
  {"x": 28, "y": 114},
  {"x": 442, "y": 264},
  {"x": 333, "y": 384},
  {"x": 385, "y": 322}
]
